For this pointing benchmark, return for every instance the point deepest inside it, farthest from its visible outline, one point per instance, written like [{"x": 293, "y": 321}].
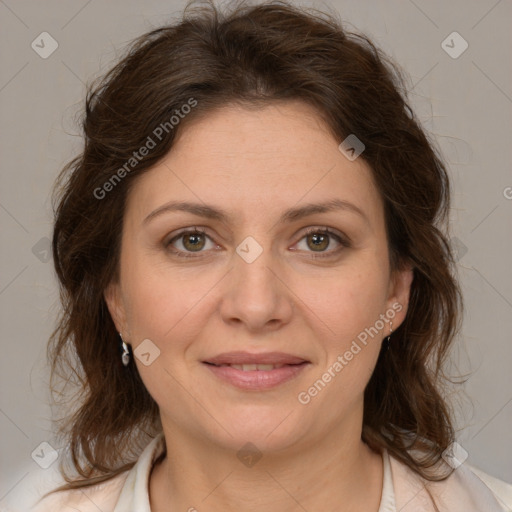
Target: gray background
[{"x": 465, "y": 102}]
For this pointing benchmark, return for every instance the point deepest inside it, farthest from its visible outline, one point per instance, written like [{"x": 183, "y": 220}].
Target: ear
[
  {"x": 399, "y": 292},
  {"x": 115, "y": 305}
]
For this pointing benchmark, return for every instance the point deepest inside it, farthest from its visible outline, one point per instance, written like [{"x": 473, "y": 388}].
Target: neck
[{"x": 336, "y": 472}]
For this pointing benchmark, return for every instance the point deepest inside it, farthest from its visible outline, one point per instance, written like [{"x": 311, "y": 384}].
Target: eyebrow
[{"x": 290, "y": 215}]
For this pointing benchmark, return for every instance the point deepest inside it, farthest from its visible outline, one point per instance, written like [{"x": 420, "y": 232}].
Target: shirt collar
[
  {"x": 135, "y": 492},
  {"x": 387, "y": 500}
]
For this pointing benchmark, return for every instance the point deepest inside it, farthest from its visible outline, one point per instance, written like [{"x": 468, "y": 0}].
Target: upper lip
[{"x": 248, "y": 358}]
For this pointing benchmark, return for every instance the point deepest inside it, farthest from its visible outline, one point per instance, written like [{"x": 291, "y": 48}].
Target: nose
[{"x": 256, "y": 295}]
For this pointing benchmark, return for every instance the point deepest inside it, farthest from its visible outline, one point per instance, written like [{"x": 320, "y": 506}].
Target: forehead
[{"x": 256, "y": 161}]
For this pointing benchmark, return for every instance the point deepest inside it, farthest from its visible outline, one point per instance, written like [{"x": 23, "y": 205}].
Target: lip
[
  {"x": 251, "y": 358},
  {"x": 256, "y": 380}
]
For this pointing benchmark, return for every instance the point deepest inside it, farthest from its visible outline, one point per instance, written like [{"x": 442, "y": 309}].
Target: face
[{"x": 249, "y": 273}]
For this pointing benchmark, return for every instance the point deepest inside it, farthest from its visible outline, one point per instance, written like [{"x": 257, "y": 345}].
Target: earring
[
  {"x": 125, "y": 357},
  {"x": 389, "y": 336}
]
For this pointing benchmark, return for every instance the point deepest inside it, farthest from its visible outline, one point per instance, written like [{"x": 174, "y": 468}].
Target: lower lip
[{"x": 257, "y": 379}]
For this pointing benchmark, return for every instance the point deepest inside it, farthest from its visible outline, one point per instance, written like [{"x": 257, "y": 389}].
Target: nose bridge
[
  {"x": 256, "y": 295},
  {"x": 252, "y": 269}
]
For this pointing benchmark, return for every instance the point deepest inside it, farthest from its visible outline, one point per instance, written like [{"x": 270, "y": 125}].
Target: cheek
[
  {"x": 348, "y": 325},
  {"x": 169, "y": 306},
  {"x": 347, "y": 302}
]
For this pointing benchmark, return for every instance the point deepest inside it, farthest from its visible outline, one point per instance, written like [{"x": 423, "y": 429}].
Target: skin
[{"x": 255, "y": 164}]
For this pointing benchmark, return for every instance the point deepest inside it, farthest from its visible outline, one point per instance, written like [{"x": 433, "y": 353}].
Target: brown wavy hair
[{"x": 250, "y": 55}]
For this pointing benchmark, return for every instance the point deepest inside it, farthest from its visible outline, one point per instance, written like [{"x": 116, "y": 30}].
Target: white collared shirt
[{"x": 466, "y": 490}]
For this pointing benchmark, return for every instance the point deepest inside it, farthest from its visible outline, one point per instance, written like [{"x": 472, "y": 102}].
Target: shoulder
[
  {"x": 102, "y": 497},
  {"x": 29, "y": 496},
  {"x": 467, "y": 489},
  {"x": 126, "y": 491}
]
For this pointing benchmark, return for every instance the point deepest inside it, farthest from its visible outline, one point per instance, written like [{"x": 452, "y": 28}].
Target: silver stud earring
[
  {"x": 389, "y": 336},
  {"x": 125, "y": 357}
]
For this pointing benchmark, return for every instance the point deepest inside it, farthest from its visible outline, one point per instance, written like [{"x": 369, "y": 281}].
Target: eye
[
  {"x": 191, "y": 241},
  {"x": 318, "y": 240}
]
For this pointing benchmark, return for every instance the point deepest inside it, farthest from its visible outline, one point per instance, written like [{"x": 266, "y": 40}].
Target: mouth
[
  {"x": 256, "y": 372},
  {"x": 254, "y": 367},
  {"x": 248, "y": 358}
]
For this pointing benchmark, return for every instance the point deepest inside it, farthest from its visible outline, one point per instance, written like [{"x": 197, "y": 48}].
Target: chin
[{"x": 268, "y": 431}]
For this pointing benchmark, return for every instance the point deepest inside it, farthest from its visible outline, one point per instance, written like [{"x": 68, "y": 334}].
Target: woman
[{"x": 258, "y": 293}]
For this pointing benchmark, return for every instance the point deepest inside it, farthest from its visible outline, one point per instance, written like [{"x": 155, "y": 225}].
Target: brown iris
[
  {"x": 196, "y": 241},
  {"x": 320, "y": 241}
]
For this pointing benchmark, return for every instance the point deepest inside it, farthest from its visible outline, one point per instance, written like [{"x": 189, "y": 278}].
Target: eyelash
[{"x": 343, "y": 241}]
